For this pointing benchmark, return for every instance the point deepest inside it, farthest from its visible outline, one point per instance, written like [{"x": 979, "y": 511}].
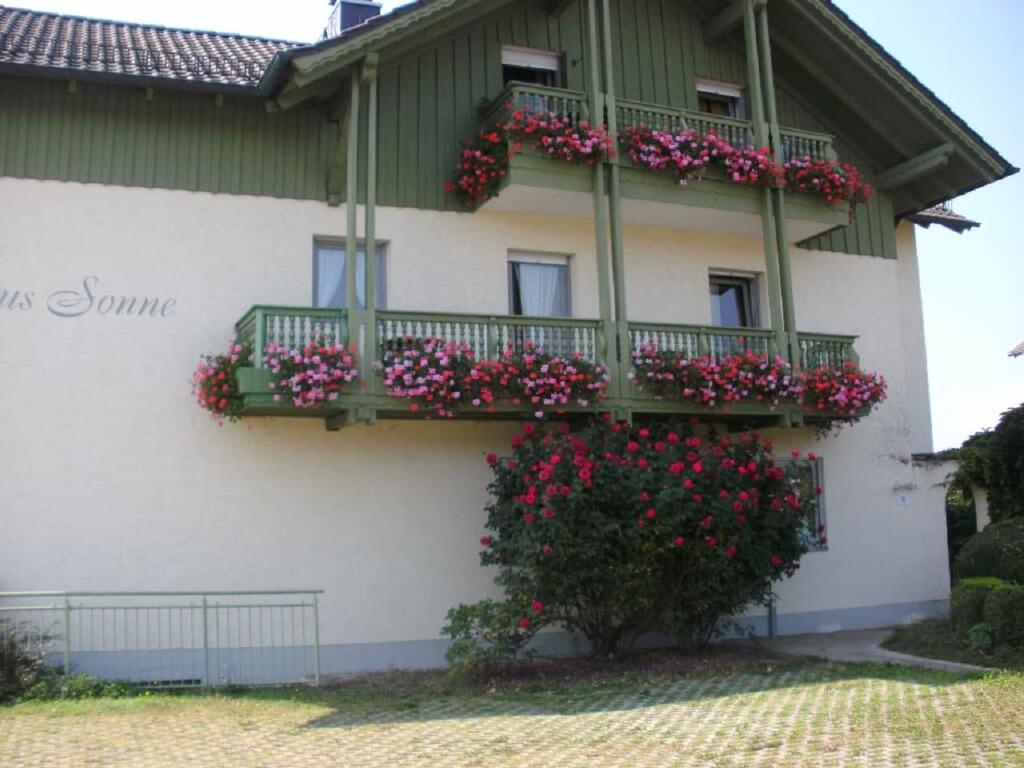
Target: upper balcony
[
  {"x": 374, "y": 334},
  {"x": 537, "y": 185}
]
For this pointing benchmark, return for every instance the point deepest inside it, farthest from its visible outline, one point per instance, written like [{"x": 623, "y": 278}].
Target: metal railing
[
  {"x": 488, "y": 337},
  {"x": 291, "y": 327},
  {"x": 169, "y": 639}
]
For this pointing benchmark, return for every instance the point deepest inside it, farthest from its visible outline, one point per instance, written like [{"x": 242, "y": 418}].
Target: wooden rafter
[{"x": 915, "y": 168}]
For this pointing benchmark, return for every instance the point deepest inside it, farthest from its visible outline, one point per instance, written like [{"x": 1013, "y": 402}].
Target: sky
[{"x": 972, "y": 284}]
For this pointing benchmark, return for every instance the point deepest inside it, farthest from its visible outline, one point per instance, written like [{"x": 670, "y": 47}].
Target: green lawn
[
  {"x": 764, "y": 714},
  {"x": 936, "y": 639}
]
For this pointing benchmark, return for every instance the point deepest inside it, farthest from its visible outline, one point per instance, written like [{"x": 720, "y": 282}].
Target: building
[{"x": 161, "y": 188}]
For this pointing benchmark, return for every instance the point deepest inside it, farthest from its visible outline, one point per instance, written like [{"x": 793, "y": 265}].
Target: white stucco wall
[{"x": 112, "y": 479}]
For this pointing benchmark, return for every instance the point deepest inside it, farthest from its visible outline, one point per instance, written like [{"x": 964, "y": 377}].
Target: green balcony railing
[
  {"x": 818, "y": 349},
  {"x": 291, "y": 327},
  {"x": 562, "y": 102},
  {"x": 489, "y": 336},
  {"x": 699, "y": 340}
]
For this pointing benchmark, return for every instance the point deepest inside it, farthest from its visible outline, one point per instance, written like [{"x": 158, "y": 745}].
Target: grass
[
  {"x": 754, "y": 712},
  {"x": 936, "y": 639}
]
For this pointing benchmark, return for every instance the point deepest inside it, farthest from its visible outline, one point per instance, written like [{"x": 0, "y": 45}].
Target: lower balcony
[{"x": 372, "y": 336}]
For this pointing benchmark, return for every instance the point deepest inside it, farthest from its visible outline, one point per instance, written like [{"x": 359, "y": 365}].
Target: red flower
[
  {"x": 776, "y": 561},
  {"x": 492, "y": 459},
  {"x": 651, "y": 514},
  {"x": 537, "y": 606},
  {"x": 547, "y": 550},
  {"x": 485, "y": 541},
  {"x": 679, "y": 541},
  {"x": 524, "y": 622},
  {"x": 633, "y": 446},
  {"x": 707, "y": 521},
  {"x": 730, "y": 551}
]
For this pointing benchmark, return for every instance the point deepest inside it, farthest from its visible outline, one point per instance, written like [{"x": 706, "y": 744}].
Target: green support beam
[
  {"x": 351, "y": 199},
  {"x": 915, "y": 168},
  {"x": 726, "y": 20},
  {"x": 369, "y": 78}
]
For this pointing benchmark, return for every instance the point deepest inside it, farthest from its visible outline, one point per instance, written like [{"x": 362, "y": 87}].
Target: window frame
[
  {"x": 717, "y": 90},
  {"x": 534, "y": 59},
  {"x": 383, "y": 265},
  {"x": 817, "y": 481},
  {"x": 751, "y": 284},
  {"x": 517, "y": 256}
]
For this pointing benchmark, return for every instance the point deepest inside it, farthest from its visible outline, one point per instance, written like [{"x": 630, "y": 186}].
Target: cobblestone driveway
[{"x": 807, "y": 716}]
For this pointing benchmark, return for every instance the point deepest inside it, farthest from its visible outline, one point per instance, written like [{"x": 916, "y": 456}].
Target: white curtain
[
  {"x": 541, "y": 289},
  {"x": 330, "y": 277}
]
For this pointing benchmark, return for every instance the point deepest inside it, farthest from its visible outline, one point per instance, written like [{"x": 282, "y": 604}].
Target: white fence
[{"x": 176, "y": 639}]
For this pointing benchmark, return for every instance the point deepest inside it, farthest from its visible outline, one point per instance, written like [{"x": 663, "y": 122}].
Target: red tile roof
[{"x": 48, "y": 41}]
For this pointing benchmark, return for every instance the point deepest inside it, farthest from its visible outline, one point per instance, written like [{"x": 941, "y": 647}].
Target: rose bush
[
  {"x": 214, "y": 385},
  {"x": 615, "y": 530}
]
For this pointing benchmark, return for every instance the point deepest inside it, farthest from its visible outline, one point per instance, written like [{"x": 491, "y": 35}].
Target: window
[
  {"x": 734, "y": 301},
  {"x": 529, "y": 65},
  {"x": 329, "y": 274},
  {"x": 810, "y": 475},
  {"x": 538, "y": 285},
  {"x": 717, "y": 98}
]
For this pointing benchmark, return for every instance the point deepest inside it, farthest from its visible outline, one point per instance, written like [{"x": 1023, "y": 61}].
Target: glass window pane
[
  {"x": 539, "y": 290},
  {"x": 329, "y": 276},
  {"x": 730, "y": 302}
]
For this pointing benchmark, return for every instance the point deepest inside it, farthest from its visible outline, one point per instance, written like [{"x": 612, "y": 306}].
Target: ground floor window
[
  {"x": 812, "y": 476},
  {"x": 329, "y": 264}
]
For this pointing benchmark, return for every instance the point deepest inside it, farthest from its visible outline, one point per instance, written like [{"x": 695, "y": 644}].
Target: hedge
[
  {"x": 996, "y": 551},
  {"x": 1004, "y": 612},
  {"x": 968, "y": 600}
]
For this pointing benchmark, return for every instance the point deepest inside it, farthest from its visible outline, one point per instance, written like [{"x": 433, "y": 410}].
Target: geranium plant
[
  {"x": 834, "y": 182},
  {"x": 689, "y": 154},
  {"x": 443, "y": 376},
  {"x": 311, "y": 377},
  {"x": 708, "y": 380},
  {"x": 615, "y": 530},
  {"x": 214, "y": 385},
  {"x": 846, "y": 392},
  {"x": 429, "y": 372},
  {"x": 485, "y": 158}
]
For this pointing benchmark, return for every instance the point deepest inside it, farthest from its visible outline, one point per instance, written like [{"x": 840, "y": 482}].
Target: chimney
[{"x": 349, "y": 13}]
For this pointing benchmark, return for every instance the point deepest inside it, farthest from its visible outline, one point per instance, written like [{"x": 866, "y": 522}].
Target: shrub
[
  {"x": 485, "y": 634},
  {"x": 214, "y": 385},
  {"x": 615, "y": 530},
  {"x": 994, "y": 460},
  {"x": 996, "y": 551},
  {"x": 968, "y": 600},
  {"x": 1004, "y": 612},
  {"x": 979, "y": 638}
]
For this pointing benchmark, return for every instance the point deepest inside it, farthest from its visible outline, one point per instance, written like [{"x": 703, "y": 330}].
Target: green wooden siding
[
  {"x": 176, "y": 140},
  {"x": 429, "y": 101},
  {"x": 873, "y": 231}
]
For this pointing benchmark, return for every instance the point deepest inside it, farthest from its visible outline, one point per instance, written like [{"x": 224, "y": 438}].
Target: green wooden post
[
  {"x": 778, "y": 195},
  {"x": 370, "y": 230},
  {"x": 351, "y": 201},
  {"x": 259, "y": 337},
  {"x": 610, "y": 360}
]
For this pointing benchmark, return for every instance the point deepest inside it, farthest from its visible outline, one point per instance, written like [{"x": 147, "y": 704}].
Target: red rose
[
  {"x": 485, "y": 541},
  {"x": 707, "y": 521},
  {"x": 776, "y": 561},
  {"x": 492, "y": 459},
  {"x": 730, "y": 551},
  {"x": 633, "y": 446},
  {"x": 680, "y": 541},
  {"x": 651, "y": 514},
  {"x": 524, "y": 622},
  {"x": 547, "y": 550}
]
